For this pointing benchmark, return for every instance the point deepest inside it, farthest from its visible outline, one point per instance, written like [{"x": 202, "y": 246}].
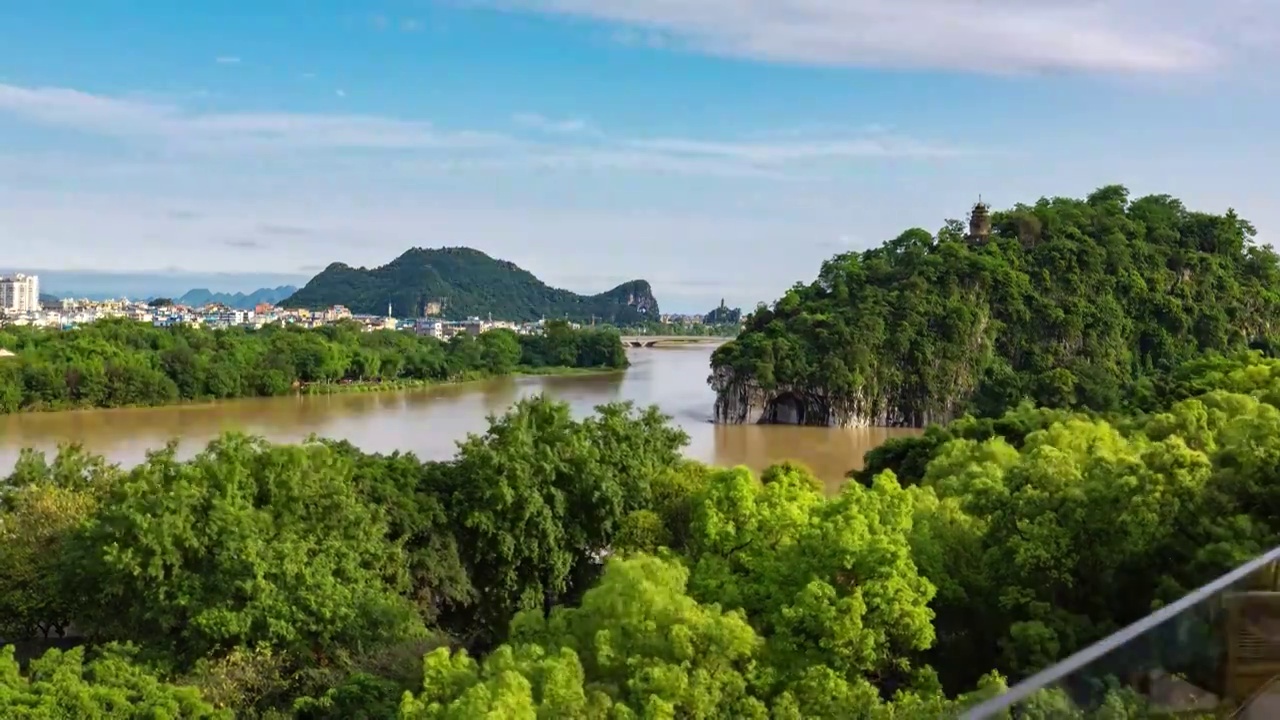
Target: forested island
[
  {"x": 317, "y": 581},
  {"x": 458, "y": 282},
  {"x": 1066, "y": 303},
  {"x": 121, "y": 363}
]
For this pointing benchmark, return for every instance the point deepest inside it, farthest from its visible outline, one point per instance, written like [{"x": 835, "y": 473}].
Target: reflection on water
[{"x": 429, "y": 422}]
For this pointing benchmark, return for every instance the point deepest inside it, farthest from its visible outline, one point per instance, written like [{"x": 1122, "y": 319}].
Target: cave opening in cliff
[{"x": 785, "y": 409}]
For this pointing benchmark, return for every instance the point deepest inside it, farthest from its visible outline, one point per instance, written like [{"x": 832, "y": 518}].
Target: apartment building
[{"x": 19, "y": 293}]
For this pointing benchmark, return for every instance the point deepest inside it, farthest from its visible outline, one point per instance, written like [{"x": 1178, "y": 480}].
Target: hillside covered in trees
[
  {"x": 1068, "y": 303},
  {"x": 317, "y": 581},
  {"x": 723, "y": 315},
  {"x": 200, "y": 297},
  {"x": 117, "y": 363},
  {"x": 460, "y": 282}
]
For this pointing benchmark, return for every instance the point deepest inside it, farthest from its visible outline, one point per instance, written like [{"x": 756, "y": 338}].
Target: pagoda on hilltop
[{"x": 979, "y": 223}]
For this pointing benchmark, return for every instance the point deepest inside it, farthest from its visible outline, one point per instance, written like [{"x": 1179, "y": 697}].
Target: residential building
[
  {"x": 19, "y": 293},
  {"x": 434, "y": 328}
]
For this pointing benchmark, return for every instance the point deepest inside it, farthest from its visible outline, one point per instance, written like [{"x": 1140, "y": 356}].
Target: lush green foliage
[
  {"x": 114, "y": 363},
  {"x": 1069, "y": 303},
  {"x": 62, "y": 685},
  {"x": 467, "y": 283},
  {"x": 579, "y": 568}
]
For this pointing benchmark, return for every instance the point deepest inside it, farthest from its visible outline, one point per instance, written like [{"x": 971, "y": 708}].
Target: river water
[{"x": 430, "y": 421}]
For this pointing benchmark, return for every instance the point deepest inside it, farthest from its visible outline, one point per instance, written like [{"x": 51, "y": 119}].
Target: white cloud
[
  {"x": 182, "y": 129},
  {"x": 340, "y": 93},
  {"x": 227, "y": 60},
  {"x": 779, "y": 153},
  {"x": 736, "y": 257},
  {"x": 1003, "y": 36},
  {"x": 556, "y": 144},
  {"x": 541, "y": 122},
  {"x": 407, "y": 24}
]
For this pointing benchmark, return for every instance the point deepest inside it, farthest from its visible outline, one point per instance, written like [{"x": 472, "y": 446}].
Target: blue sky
[{"x": 718, "y": 148}]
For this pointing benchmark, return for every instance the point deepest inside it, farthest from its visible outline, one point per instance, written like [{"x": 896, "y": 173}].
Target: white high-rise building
[{"x": 19, "y": 293}]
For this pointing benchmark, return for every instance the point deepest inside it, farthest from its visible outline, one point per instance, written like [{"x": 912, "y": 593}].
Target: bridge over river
[{"x": 670, "y": 340}]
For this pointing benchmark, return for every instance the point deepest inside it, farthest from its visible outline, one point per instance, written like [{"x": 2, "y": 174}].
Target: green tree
[
  {"x": 35, "y": 523},
  {"x": 1068, "y": 302},
  {"x": 62, "y": 685},
  {"x": 247, "y": 543},
  {"x": 112, "y": 363}
]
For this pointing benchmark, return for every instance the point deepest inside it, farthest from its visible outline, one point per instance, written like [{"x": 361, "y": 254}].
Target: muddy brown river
[{"x": 429, "y": 422}]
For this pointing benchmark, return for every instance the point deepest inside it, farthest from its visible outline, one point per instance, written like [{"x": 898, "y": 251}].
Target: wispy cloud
[
  {"x": 545, "y": 144},
  {"x": 227, "y": 60},
  {"x": 243, "y": 244},
  {"x": 183, "y": 129},
  {"x": 285, "y": 230},
  {"x": 1003, "y": 36},
  {"x": 382, "y": 22},
  {"x": 781, "y": 153},
  {"x": 541, "y": 122}
]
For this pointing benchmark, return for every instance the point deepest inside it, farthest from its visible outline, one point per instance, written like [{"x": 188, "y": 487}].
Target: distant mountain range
[
  {"x": 146, "y": 284},
  {"x": 201, "y": 296},
  {"x": 239, "y": 301},
  {"x": 460, "y": 282}
]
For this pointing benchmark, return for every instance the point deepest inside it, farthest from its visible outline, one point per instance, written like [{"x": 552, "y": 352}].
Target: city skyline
[{"x": 716, "y": 149}]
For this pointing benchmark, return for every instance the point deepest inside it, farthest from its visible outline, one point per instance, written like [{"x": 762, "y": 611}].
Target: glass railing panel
[{"x": 1213, "y": 654}]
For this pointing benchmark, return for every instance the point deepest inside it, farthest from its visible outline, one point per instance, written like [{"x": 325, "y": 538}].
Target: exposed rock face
[
  {"x": 884, "y": 389},
  {"x": 742, "y": 400}
]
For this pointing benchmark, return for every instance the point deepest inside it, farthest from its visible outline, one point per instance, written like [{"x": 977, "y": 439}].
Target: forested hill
[
  {"x": 466, "y": 283},
  {"x": 241, "y": 301},
  {"x": 1066, "y": 302}
]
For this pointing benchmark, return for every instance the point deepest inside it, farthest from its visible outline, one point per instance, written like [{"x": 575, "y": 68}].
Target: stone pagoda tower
[{"x": 979, "y": 223}]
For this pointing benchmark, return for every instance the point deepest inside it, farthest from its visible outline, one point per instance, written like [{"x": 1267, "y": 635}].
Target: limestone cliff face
[
  {"x": 742, "y": 401},
  {"x": 637, "y": 295},
  {"x": 892, "y": 393}
]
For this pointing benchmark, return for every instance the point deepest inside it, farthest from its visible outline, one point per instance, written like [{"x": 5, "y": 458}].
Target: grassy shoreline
[
  {"x": 337, "y": 389},
  {"x": 395, "y": 385}
]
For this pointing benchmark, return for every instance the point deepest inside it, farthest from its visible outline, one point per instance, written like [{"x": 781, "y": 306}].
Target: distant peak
[{"x": 639, "y": 286}]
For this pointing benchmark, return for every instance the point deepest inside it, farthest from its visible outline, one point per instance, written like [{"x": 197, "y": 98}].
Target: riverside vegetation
[
  {"x": 1067, "y": 303},
  {"x": 580, "y": 568},
  {"x": 562, "y": 568},
  {"x": 117, "y": 363}
]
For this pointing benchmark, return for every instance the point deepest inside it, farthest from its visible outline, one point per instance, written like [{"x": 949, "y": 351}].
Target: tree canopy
[
  {"x": 580, "y": 568},
  {"x": 1069, "y": 303},
  {"x": 467, "y": 283},
  {"x": 114, "y": 363}
]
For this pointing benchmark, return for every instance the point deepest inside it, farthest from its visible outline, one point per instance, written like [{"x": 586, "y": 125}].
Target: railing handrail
[
  {"x": 1054, "y": 673},
  {"x": 1265, "y": 689}
]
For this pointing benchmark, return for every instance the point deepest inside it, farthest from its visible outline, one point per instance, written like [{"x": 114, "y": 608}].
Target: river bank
[
  {"x": 470, "y": 377},
  {"x": 429, "y": 421},
  {"x": 333, "y": 388}
]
